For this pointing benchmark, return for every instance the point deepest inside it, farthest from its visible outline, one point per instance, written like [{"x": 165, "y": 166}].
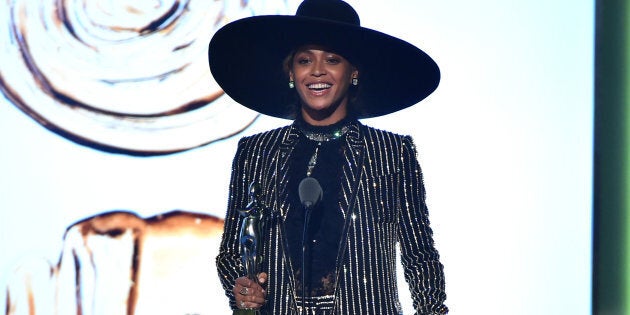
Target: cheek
[
  {"x": 301, "y": 90},
  {"x": 347, "y": 76}
]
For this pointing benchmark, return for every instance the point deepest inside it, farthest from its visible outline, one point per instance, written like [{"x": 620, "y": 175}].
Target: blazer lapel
[
  {"x": 354, "y": 156},
  {"x": 281, "y": 171},
  {"x": 281, "y": 202}
]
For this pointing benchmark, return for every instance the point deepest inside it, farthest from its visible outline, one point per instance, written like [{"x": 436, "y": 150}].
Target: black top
[{"x": 321, "y": 148}]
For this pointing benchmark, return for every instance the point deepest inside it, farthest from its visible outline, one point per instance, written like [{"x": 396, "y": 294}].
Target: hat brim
[{"x": 246, "y": 58}]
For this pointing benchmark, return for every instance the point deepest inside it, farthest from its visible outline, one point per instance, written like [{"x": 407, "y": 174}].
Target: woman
[{"x": 324, "y": 71}]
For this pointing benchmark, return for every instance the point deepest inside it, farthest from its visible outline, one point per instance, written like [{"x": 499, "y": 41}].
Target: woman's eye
[
  {"x": 303, "y": 61},
  {"x": 333, "y": 61}
]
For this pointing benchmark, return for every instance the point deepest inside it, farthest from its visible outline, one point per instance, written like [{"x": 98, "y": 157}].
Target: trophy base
[{"x": 246, "y": 312}]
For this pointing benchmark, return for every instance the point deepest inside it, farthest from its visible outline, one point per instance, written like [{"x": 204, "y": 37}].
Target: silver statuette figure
[{"x": 250, "y": 238}]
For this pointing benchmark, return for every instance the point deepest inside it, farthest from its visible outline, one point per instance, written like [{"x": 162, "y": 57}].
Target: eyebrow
[{"x": 312, "y": 52}]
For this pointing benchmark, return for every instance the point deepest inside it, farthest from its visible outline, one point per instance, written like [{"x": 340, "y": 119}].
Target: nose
[{"x": 319, "y": 68}]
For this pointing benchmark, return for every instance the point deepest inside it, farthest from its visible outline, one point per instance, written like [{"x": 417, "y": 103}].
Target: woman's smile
[
  {"x": 319, "y": 86},
  {"x": 319, "y": 89}
]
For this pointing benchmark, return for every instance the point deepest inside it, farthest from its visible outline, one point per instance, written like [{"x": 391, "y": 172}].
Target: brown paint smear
[{"x": 118, "y": 263}]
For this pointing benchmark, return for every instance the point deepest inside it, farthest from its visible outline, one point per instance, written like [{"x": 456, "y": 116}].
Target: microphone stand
[
  {"x": 307, "y": 216},
  {"x": 310, "y": 194}
]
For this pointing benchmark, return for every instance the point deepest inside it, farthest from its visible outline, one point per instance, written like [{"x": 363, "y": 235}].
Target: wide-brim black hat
[{"x": 246, "y": 59}]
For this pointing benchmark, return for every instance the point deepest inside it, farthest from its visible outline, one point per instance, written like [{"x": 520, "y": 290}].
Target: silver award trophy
[{"x": 250, "y": 239}]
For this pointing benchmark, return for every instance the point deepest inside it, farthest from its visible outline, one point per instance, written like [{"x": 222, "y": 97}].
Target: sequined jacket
[{"x": 383, "y": 204}]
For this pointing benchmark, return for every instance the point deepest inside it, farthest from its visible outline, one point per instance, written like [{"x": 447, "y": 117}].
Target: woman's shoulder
[
  {"x": 388, "y": 141},
  {"x": 374, "y": 132},
  {"x": 268, "y": 135}
]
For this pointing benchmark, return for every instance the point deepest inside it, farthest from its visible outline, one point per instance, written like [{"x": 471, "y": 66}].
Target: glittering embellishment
[
  {"x": 313, "y": 160},
  {"x": 326, "y": 136}
]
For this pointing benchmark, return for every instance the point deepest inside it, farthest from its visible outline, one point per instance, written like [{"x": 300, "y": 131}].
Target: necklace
[
  {"x": 324, "y": 136},
  {"x": 320, "y": 135}
]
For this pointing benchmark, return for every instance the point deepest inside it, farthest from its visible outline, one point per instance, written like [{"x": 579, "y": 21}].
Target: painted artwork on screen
[
  {"x": 129, "y": 78},
  {"x": 116, "y": 147}
]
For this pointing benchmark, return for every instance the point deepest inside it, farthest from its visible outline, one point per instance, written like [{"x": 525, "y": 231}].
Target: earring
[
  {"x": 355, "y": 81},
  {"x": 291, "y": 84}
]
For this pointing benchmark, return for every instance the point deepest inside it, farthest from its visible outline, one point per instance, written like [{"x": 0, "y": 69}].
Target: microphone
[{"x": 310, "y": 194}]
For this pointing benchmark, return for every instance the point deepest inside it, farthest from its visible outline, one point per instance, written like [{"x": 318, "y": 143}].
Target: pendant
[{"x": 313, "y": 161}]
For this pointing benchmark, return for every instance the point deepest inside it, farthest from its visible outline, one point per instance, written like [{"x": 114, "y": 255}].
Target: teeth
[{"x": 317, "y": 86}]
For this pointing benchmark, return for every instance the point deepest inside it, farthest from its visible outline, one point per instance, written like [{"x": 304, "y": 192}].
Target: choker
[
  {"x": 324, "y": 133},
  {"x": 326, "y": 136}
]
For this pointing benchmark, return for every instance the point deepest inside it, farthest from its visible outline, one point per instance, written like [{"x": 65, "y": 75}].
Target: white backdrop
[{"x": 505, "y": 144}]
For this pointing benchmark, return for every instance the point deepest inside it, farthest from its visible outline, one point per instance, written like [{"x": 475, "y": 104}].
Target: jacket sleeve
[
  {"x": 228, "y": 260},
  {"x": 420, "y": 259}
]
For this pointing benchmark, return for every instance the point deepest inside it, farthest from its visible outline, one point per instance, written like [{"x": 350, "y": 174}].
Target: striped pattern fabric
[{"x": 383, "y": 204}]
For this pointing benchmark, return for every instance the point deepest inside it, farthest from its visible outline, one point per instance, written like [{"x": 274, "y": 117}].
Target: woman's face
[{"x": 322, "y": 79}]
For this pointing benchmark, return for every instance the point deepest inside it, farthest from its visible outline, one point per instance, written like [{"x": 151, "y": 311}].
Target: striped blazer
[{"x": 383, "y": 203}]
